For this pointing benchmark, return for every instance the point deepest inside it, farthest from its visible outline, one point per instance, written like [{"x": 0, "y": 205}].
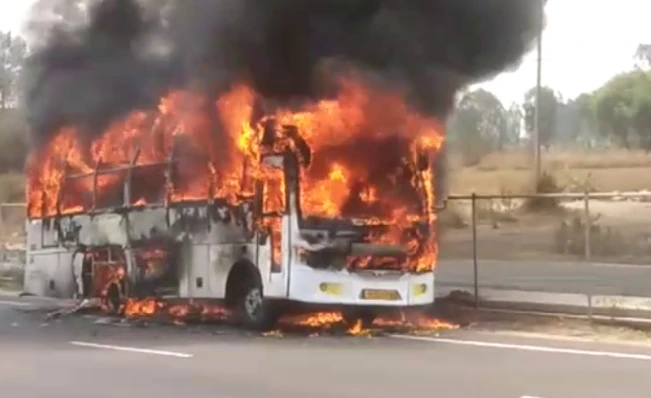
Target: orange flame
[
  {"x": 134, "y": 308},
  {"x": 415, "y": 321},
  {"x": 178, "y": 312},
  {"x": 406, "y": 321},
  {"x": 365, "y": 146}
]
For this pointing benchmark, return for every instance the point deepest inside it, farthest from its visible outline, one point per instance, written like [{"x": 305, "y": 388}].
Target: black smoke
[{"x": 126, "y": 53}]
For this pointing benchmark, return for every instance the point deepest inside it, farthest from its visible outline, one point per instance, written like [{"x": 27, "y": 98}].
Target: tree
[
  {"x": 13, "y": 51},
  {"x": 643, "y": 55},
  {"x": 549, "y": 102},
  {"x": 479, "y": 125},
  {"x": 575, "y": 122},
  {"x": 587, "y": 123},
  {"x": 13, "y": 146},
  {"x": 514, "y": 120},
  {"x": 622, "y": 109}
]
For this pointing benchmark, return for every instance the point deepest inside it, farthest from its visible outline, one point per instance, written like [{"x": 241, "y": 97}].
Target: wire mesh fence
[
  {"x": 12, "y": 244},
  {"x": 593, "y": 243}
]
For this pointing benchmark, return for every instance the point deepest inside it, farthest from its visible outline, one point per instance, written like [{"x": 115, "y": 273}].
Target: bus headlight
[
  {"x": 334, "y": 289},
  {"x": 418, "y": 290}
]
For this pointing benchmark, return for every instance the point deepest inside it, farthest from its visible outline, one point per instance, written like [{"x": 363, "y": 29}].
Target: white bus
[{"x": 253, "y": 255}]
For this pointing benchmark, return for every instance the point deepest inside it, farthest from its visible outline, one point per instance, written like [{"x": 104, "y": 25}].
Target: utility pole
[
  {"x": 5, "y": 46},
  {"x": 536, "y": 128}
]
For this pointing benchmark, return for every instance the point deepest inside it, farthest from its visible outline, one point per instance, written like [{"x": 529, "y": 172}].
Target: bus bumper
[{"x": 360, "y": 288}]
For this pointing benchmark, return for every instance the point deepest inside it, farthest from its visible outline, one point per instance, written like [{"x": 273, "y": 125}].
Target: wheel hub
[{"x": 253, "y": 302}]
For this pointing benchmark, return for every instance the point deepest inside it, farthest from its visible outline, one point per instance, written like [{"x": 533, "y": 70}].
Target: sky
[{"x": 586, "y": 42}]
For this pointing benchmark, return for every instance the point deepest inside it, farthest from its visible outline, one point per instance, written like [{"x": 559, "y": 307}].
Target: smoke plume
[{"x": 97, "y": 60}]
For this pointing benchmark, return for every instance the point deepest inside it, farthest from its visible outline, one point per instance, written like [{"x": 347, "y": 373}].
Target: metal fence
[
  {"x": 593, "y": 243},
  {"x": 12, "y": 240}
]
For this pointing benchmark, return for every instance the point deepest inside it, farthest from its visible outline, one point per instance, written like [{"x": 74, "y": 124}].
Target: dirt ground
[
  {"x": 620, "y": 232},
  {"x": 509, "y": 171}
]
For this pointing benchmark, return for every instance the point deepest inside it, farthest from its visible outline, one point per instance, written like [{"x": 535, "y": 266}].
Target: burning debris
[
  {"x": 396, "y": 321},
  {"x": 243, "y": 149},
  {"x": 311, "y": 323},
  {"x": 179, "y": 313}
]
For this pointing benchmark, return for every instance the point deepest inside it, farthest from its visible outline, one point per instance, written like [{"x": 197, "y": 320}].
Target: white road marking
[
  {"x": 525, "y": 347},
  {"x": 131, "y": 349},
  {"x": 14, "y": 303}
]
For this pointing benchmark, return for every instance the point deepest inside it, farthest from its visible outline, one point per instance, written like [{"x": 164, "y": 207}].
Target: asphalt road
[
  {"x": 596, "y": 279},
  {"x": 77, "y": 358}
]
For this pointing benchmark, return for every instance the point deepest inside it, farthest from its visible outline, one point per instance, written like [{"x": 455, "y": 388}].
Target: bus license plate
[{"x": 387, "y": 295}]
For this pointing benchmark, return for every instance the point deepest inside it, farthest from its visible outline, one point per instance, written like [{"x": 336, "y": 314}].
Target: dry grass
[
  {"x": 553, "y": 159},
  {"x": 12, "y": 187},
  {"x": 512, "y": 232},
  {"x": 509, "y": 172}
]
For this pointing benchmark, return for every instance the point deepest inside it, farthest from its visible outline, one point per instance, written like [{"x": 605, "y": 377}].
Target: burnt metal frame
[
  {"x": 110, "y": 262},
  {"x": 129, "y": 169},
  {"x": 169, "y": 182}
]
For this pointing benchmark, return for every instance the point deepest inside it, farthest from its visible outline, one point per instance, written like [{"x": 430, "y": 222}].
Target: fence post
[
  {"x": 588, "y": 244},
  {"x": 474, "y": 248},
  {"x": 587, "y": 226}
]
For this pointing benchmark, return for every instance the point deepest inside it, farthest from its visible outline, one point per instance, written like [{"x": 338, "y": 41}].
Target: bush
[
  {"x": 13, "y": 143},
  {"x": 546, "y": 184}
]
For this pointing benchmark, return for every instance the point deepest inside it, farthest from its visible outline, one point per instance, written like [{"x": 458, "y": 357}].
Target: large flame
[{"x": 364, "y": 144}]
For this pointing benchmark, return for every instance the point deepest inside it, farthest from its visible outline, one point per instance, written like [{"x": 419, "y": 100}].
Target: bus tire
[
  {"x": 252, "y": 310},
  {"x": 114, "y": 299}
]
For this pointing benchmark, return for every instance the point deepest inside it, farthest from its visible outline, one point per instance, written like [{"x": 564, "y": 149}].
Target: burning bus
[
  {"x": 251, "y": 152},
  {"x": 332, "y": 205}
]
